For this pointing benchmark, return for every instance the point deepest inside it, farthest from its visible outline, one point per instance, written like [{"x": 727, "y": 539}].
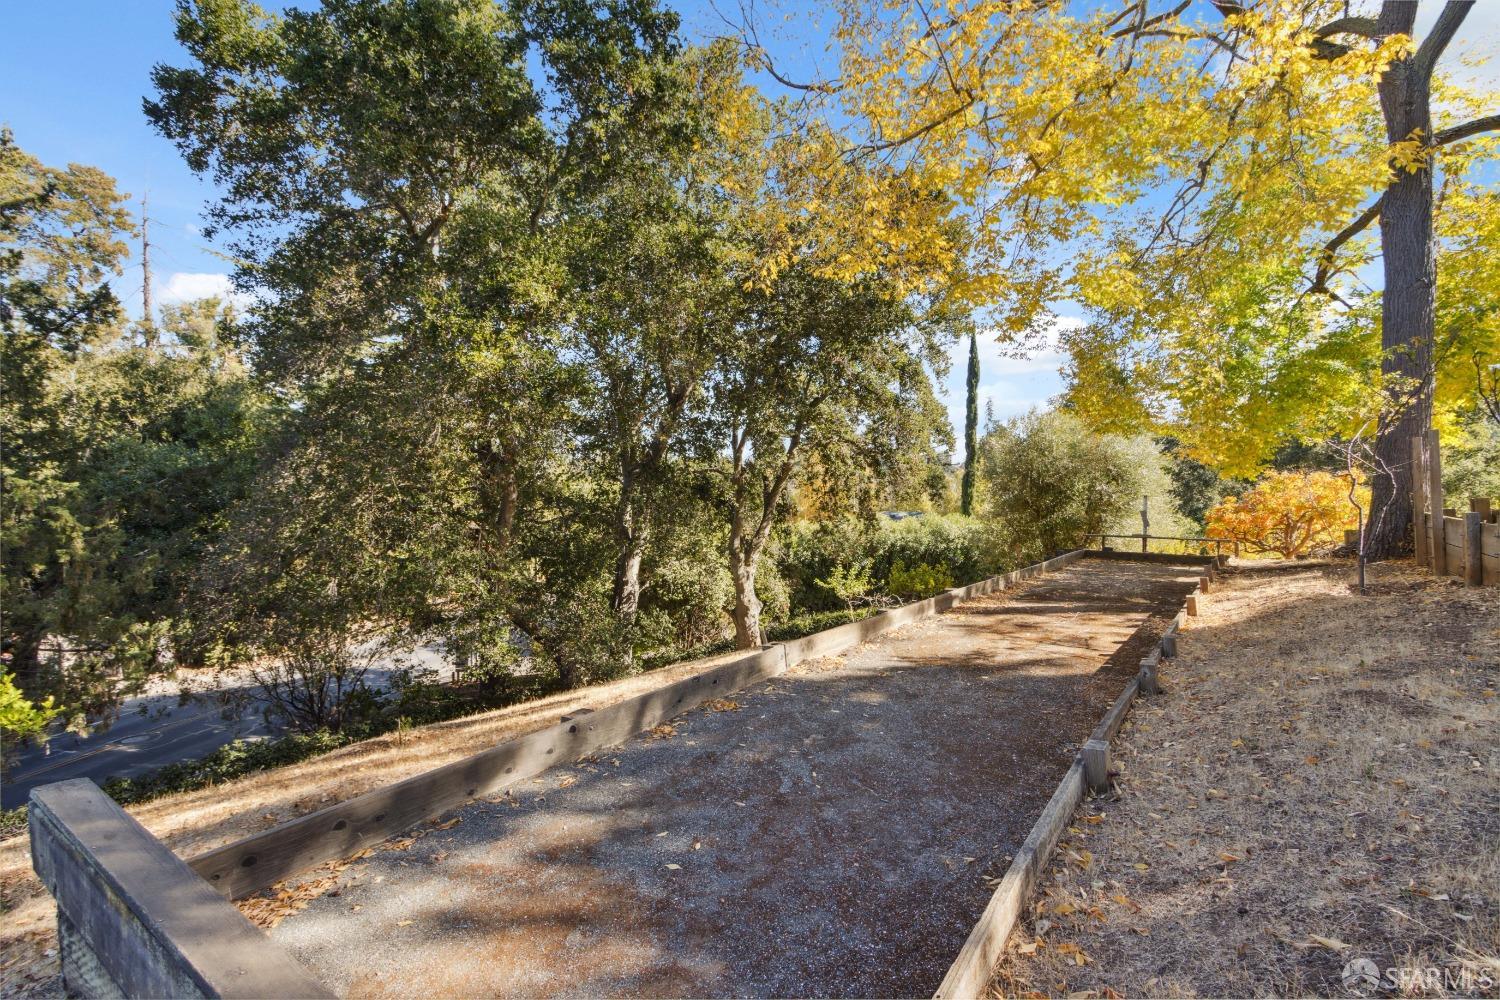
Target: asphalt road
[
  {"x": 154, "y": 731},
  {"x": 149, "y": 733}
]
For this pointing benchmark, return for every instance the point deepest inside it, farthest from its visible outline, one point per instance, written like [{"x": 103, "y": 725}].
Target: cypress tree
[{"x": 971, "y": 428}]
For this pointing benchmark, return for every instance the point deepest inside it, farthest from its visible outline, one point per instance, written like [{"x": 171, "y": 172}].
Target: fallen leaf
[
  {"x": 1332, "y": 944},
  {"x": 1228, "y": 859},
  {"x": 403, "y": 923},
  {"x": 673, "y": 868},
  {"x": 448, "y": 825}
]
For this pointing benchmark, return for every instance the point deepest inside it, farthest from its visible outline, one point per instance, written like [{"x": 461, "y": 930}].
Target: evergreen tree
[{"x": 971, "y": 428}]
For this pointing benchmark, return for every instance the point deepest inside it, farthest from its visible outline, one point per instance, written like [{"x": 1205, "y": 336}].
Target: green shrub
[
  {"x": 234, "y": 760},
  {"x": 850, "y": 584},
  {"x": 967, "y": 548},
  {"x": 919, "y": 581},
  {"x": 817, "y": 621},
  {"x": 963, "y": 546},
  {"x": 12, "y": 822}
]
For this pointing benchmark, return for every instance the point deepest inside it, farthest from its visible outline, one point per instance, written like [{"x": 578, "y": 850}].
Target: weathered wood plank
[
  {"x": 1109, "y": 726},
  {"x": 1490, "y": 539},
  {"x": 1434, "y": 467},
  {"x": 136, "y": 914},
  {"x": 266, "y": 858},
  {"x": 969, "y": 974},
  {"x": 1473, "y": 549},
  {"x": 1419, "y": 529}
]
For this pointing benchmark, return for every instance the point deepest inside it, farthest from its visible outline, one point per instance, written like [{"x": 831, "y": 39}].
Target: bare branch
[
  {"x": 1363, "y": 26},
  {"x": 1456, "y": 133},
  {"x": 1441, "y": 34},
  {"x": 1152, "y": 22}
]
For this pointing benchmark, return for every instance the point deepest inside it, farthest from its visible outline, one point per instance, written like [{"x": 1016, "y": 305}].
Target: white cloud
[
  {"x": 186, "y": 287},
  {"x": 1012, "y": 379}
]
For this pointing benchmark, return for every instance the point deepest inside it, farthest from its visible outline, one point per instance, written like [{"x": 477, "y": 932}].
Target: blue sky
[{"x": 75, "y": 73}]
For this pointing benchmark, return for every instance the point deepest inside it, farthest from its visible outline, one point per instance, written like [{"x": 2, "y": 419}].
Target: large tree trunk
[
  {"x": 626, "y": 597},
  {"x": 743, "y": 563},
  {"x": 1409, "y": 301},
  {"x": 25, "y": 664},
  {"x": 630, "y": 537}
]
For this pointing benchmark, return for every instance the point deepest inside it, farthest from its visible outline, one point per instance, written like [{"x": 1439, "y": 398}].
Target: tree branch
[
  {"x": 1353, "y": 229},
  {"x": 1441, "y": 34},
  {"x": 1456, "y": 133},
  {"x": 1363, "y": 26},
  {"x": 1152, "y": 22}
]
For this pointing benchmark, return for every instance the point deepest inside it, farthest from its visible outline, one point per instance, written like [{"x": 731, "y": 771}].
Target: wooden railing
[{"x": 1145, "y": 540}]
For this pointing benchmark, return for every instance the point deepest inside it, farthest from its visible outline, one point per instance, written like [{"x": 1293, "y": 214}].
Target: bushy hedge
[
  {"x": 907, "y": 559},
  {"x": 964, "y": 548}
]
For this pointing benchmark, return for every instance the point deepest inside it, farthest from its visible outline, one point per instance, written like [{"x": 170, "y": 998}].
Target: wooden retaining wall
[
  {"x": 970, "y": 973},
  {"x": 133, "y": 920},
  {"x": 136, "y": 920}
]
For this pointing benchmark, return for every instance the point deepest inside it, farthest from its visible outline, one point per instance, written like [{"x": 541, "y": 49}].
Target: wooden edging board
[
  {"x": 1153, "y": 557},
  {"x": 134, "y": 920},
  {"x": 969, "y": 975},
  {"x": 268, "y": 857}
]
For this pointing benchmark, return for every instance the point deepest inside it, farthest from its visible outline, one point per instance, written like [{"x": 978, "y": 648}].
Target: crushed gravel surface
[{"x": 830, "y": 833}]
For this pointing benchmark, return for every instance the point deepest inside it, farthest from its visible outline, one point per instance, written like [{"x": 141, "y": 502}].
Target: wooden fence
[{"x": 1450, "y": 542}]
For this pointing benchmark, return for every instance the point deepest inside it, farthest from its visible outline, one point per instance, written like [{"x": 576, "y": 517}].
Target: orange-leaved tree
[{"x": 1287, "y": 513}]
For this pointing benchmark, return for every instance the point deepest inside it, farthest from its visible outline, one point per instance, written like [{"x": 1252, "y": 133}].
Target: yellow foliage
[
  {"x": 1041, "y": 126},
  {"x": 1288, "y": 513}
]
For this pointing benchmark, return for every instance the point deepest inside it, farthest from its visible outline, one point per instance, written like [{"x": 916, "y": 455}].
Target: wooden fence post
[
  {"x": 1146, "y": 676},
  {"x": 1096, "y": 766},
  {"x": 1473, "y": 549},
  {"x": 1419, "y": 500},
  {"x": 1480, "y": 506},
  {"x": 1437, "y": 539}
]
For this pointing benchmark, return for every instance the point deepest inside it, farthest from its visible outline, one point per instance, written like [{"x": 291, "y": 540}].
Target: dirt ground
[
  {"x": 835, "y": 832},
  {"x": 193, "y": 822},
  {"x": 1318, "y": 788}
]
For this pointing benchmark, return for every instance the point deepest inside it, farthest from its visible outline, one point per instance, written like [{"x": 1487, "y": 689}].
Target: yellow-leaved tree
[
  {"x": 1201, "y": 176},
  {"x": 1287, "y": 513}
]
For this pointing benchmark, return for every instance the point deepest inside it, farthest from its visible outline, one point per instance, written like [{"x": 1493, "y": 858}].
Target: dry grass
[
  {"x": 1317, "y": 785},
  {"x": 193, "y": 822}
]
